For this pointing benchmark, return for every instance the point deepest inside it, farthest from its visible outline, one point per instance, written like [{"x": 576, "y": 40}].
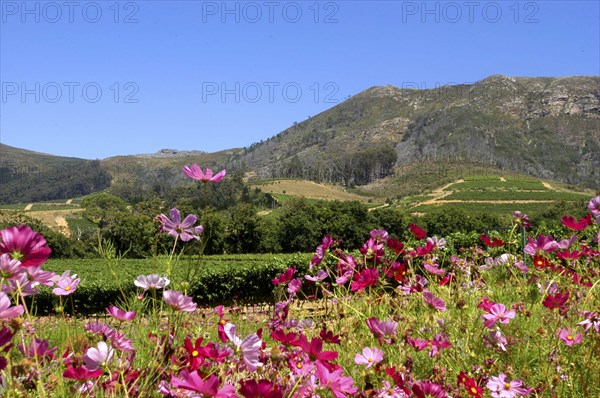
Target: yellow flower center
[
  {"x": 67, "y": 288},
  {"x": 370, "y": 359},
  {"x": 299, "y": 365},
  {"x": 473, "y": 390},
  {"x": 569, "y": 337},
  {"x": 507, "y": 386},
  {"x": 195, "y": 353}
]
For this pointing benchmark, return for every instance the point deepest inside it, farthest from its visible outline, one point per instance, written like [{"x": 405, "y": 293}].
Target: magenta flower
[
  {"x": 98, "y": 357},
  {"x": 151, "y": 282},
  {"x": 259, "y": 389},
  {"x": 183, "y": 230},
  {"x": 372, "y": 249},
  {"x": 66, "y": 284},
  {"x": 179, "y": 301},
  {"x": 369, "y": 356},
  {"x": 24, "y": 244},
  {"x": 81, "y": 373},
  {"x": 383, "y": 330},
  {"x": 571, "y": 223},
  {"x": 433, "y": 302},
  {"x": 119, "y": 314},
  {"x": 195, "y": 173},
  {"x": 6, "y": 311},
  {"x": 285, "y": 277},
  {"x": 367, "y": 277},
  {"x": 250, "y": 346},
  {"x": 496, "y": 339},
  {"x": 502, "y": 388},
  {"x": 569, "y": 337},
  {"x": 497, "y": 313},
  {"x": 37, "y": 275},
  {"x": 38, "y": 348},
  {"x": 427, "y": 389}
]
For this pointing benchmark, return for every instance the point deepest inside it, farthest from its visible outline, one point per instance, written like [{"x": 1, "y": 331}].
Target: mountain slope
[
  {"x": 27, "y": 176},
  {"x": 545, "y": 127}
]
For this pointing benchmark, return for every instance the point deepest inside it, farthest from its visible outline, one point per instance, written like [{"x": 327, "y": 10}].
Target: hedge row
[{"x": 219, "y": 281}]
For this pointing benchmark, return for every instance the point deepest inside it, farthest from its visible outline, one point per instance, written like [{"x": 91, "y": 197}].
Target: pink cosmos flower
[
  {"x": 521, "y": 219},
  {"x": 433, "y": 302},
  {"x": 10, "y": 268},
  {"x": 38, "y": 348},
  {"x": 81, "y": 373},
  {"x": 183, "y": 230},
  {"x": 338, "y": 384},
  {"x": 427, "y": 389},
  {"x": 192, "y": 381},
  {"x": 99, "y": 356},
  {"x": 497, "y": 313},
  {"x": 179, "y": 301},
  {"x": 496, "y": 339},
  {"x": 321, "y": 275},
  {"x": 321, "y": 251},
  {"x": 151, "y": 282},
  {"x": 417, "y": 231},
  {"x": 502, "y": 388},
  {"x": 369, "y": 356},
  {"x": 569, "y": 337},
  {"x": 384, "y": 330},
  {"x": 367, "y": 277},
  {"x": 66, "y": 284},
  {"x": 250, "y": 346},
  {"x": 580, "y": 225},
  {"x": 379, "y": 234},
  {"x": 24, "y": 244},
  {"x": 119, "y": 314},
  {"x": 285, "y": 277},
  {"x": 6, "y": 311},
  {"x": 195, "y": 173},
  {"x": 594, "y": 206},
  {"x": 37, "y": 275},
  {"x": 259, "y": 389},
  {"x": 591, "y": 321},
  {"x": 372, "y": 249}
]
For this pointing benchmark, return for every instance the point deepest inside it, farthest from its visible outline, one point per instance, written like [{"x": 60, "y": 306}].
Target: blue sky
[{"x": 94, "y": 79}]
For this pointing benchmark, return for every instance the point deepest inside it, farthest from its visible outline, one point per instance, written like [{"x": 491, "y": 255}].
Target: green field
[
  {"x": 502, "y": 209},
  {"x": 516, "y": 195},
  {"x": 487, "y": 185}
]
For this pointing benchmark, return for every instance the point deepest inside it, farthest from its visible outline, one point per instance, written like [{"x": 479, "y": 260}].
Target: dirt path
[
  {"x": 69, "y": 201},
  {"x": 28, "y": 207},
  {"x": 548, "y": 186},
  {"x": 502, "y": 179},
  {"x": 62, "y": 225},
  {"x": 439, "y": 193}
]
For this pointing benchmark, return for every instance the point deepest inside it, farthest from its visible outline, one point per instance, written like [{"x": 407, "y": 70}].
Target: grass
[
  {"x": 307, "y": 189},
  {"x": 486, "y": 185},
  {"x": 497, "y": 208}
]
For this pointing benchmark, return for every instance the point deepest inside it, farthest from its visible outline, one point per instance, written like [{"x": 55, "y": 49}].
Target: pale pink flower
[
  {"x": 498, "y": 313},
  {"x": 249, "y": 347},
  {"x": 97, "y": 357},
  {"x": 152, "y": 281},
  {"x": 6, "y": 311},
  {"x": 66, "y": 284},
  {"x": 119, "y": 314},
  {"x": 383, "y": 330},
  {"x": 569, "y": 337},
  {"x": 179, "y": 301},
  {"x": 195, "y": 172},
  {"x": 502, "y": 388},
  {"x": 183, "y": 230},
  {"x": 369, "y": 357},
  {"x": 338, "y": 384}
]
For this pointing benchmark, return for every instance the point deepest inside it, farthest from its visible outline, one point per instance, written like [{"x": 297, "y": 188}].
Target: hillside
[
  {"x": 543, "y": 127},
  {"x": 28, "y": 176}
]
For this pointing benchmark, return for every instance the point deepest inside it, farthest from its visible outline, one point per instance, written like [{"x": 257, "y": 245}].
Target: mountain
[
  {"x": 384, "y": 136},
  {"x": 544, "y": 127},
  {"x": 28, "y": 176}
]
